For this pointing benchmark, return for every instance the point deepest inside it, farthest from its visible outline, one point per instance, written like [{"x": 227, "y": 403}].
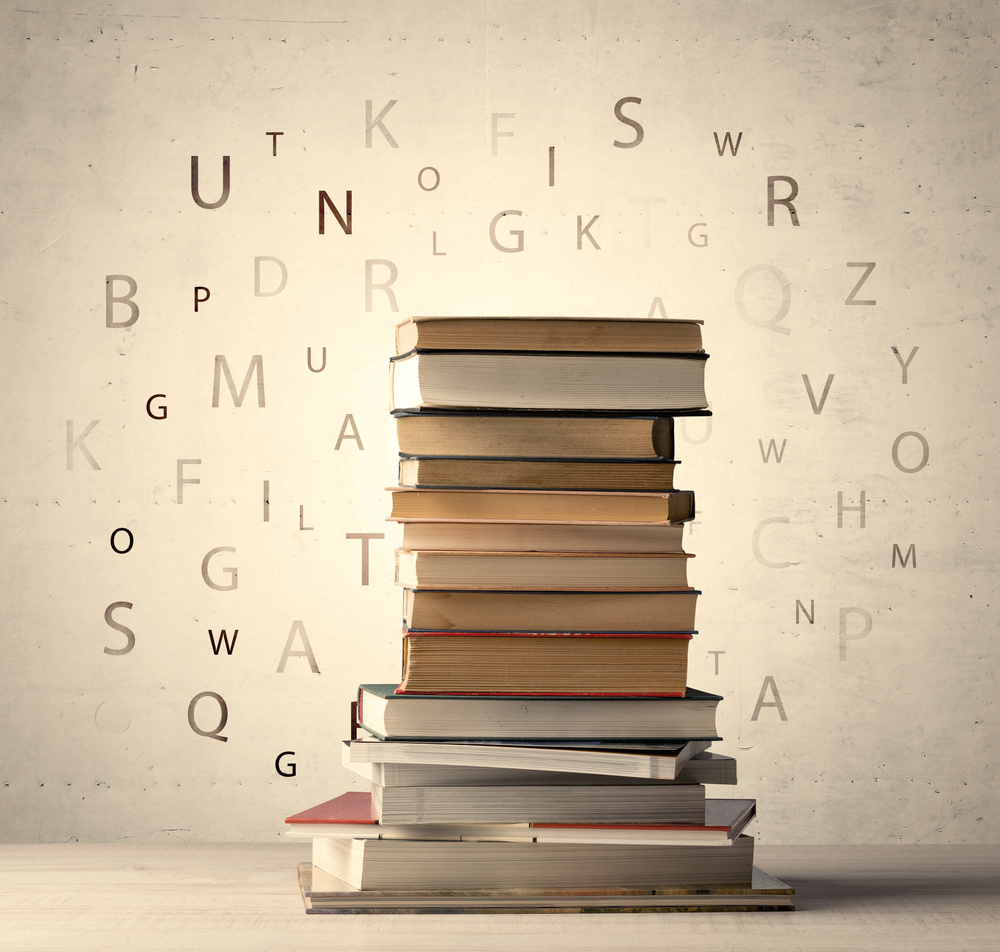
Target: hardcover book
[
  {"x": 478, "y": 864},
  {"x": 704, "y": 768},
  {"x": 465, "y": 610},
  {"x": 323, "y": 894},
  {"x": 605, "y": 334},
  {"x": 535, "y": 381},
  {"x": 388, "y": 715},
  {"x": 537, "y": 434},
  {"x": 649, "y": 760},
  {"x": 355, "y": 815},
  {"x": 536, "y": 662},
  {"x": 531, "y": 537},
  {"x": 541, "y": 506},
  {"x": 541, "y": 571},
  {"x": 588, "y": 475}
]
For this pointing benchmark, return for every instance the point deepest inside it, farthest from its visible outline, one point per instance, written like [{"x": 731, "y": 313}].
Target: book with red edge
[
  {"x": 353, "y": 814},
  {"x": 544, "y": 663}
]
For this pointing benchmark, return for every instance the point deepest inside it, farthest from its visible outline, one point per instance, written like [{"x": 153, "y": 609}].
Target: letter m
[
  {"x": 222, "y": 367},
  {"x": 903, "y": 559}
]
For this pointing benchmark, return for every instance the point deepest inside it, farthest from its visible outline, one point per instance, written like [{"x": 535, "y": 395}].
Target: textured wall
[{"x": 847, "y": 538}]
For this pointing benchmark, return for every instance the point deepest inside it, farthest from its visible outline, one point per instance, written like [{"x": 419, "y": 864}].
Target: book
[
  {"x": 323, "y": 894},
  {"x": 537, "y": 434},
  {"x": 648, "y": 761},
  {"x": 540, "y": 506},
  {"x": 392, "y": 716},
  {"x": 462, "y": 472},
  {"x": 547, "y": 333},
  {"x": 703, "y": 768},
  {"x": 537, "y": 804},
  {"x": 533, "y": 537},
  {"x": 478, "y": 864},
  {"x": 354, "y": 815},
  {"x": 535, "y": 381},
  {"x": 544, "y": 662},
  {"x": 436, "y": 610},
  {"x": 541, "y": 571}
]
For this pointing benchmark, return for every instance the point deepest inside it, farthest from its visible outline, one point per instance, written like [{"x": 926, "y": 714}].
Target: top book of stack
[
  {"x": 621, "y": 335},
  {"x": 617, "y": 364}
]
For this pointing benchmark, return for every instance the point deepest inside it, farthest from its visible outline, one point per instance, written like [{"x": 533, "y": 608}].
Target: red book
[{"x": 352, "y": 815}]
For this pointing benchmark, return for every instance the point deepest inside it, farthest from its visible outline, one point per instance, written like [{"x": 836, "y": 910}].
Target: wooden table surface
[{"x": 245, "y": 897}]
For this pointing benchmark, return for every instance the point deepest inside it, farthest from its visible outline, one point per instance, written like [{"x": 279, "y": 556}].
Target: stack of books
[{"x": 542, "y": 750}]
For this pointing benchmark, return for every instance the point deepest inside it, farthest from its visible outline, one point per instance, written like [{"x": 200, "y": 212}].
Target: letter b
[{"x": 111, "y": 299}]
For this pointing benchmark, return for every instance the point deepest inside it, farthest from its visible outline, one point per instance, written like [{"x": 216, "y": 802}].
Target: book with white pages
[
  {"x": 648, "y": 761},
  {"x": 352, "y": 816}
]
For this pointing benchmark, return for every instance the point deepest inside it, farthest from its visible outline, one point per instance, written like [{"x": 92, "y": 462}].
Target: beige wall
[{"x": 859, "y": 689}]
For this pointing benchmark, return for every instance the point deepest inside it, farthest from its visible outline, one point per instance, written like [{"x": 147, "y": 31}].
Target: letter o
[
  {"x": 131, "y": 539},
  {"x": 420, "y": 178},
  {"x": 895, "y": 452}
]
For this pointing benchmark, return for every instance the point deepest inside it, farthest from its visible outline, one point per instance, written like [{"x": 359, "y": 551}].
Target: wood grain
[{"x": 245, "y": 897}]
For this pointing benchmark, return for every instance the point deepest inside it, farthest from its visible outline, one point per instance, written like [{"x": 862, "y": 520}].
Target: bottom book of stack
[{"x": 323, "y": 893}]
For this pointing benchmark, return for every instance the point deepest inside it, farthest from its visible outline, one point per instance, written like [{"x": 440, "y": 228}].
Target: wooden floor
[{"x": 244, "y": 897}]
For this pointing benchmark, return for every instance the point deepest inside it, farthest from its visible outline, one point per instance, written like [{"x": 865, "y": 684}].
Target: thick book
[
  {"x": 544, "y": 662},
  {"x": 633, "y": 611},
  {"x": 541, "y": 571},
  {"x": 392, "y": 716},
  {"x": 612, "y": 758},
  {"x": 477, "y": 864},
  {"x": 323, "y": 894},
  {"x": 531, "y": 537},
  {"x": 535, "y": 381},
  {"x": 354, "y": 815},
  {"x": 704, "y": 768},
  {"x": 542, "y": 804},
  {"x": 537, "y": 434},
  {"x": 604, "y": 334},
  {"x": 588, "y": 475},
  {"x": 541, "y": 506}
]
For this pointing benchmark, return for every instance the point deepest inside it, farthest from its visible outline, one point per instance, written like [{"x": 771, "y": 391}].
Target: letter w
[
  {"x": 727, "y": 140},
  {"x": 766, "y": 455},
  {"x": 223, "y": 639}
]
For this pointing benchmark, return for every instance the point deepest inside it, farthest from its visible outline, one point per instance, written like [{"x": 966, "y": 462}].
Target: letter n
[{"x": 343, "y": 220}]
